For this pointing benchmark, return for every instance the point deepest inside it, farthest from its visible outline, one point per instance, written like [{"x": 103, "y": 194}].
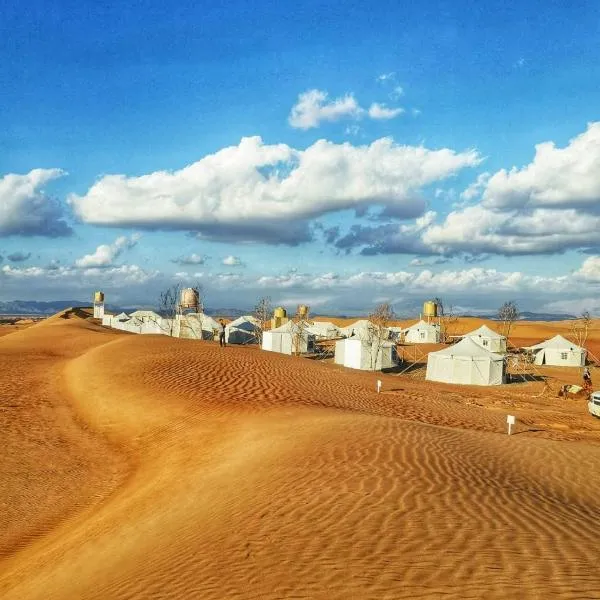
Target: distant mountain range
[{"x": 35, "y": 308}]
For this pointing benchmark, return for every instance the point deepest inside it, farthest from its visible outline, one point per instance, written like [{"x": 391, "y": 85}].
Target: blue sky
[{"x": 348, "y": 110}]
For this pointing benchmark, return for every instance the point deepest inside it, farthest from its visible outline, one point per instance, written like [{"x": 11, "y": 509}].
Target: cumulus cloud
[
  {"x": 467, "y": 287},
  {"x": 26, "y": 210},
  {"x": 382, "y": 112},
  {"x": 106, "y": 254},
  {"x": 556, "y": 178},
  {"x": 548, "y": 206},
  {"x": 19, "y": 256},
  {"x": 590, "y": 269},
  {"x": 475, "y": 279},
  {"x": 232, "y": 261},
  {"x": 313, "y": 107},
  {"x": 385, "y": 77},
  {"x": 191, "y": 259},
  {"x": 257, "y": 192}
]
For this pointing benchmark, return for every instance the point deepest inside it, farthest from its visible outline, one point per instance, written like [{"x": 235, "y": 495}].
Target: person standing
[
  {"x": 222, "y": 333},
  {"x": 587, "y": 378}
]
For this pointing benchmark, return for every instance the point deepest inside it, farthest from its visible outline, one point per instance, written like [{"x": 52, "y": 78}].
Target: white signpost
[
  {"x": 378, "y": 386},
  {"x": 510, "y": 419}
]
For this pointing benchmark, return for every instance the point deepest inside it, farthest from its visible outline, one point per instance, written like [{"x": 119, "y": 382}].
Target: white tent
[
  {"x": 466, "y": 362},
  {"x": 488, "y": 339},
  {"x": 287, "y": 339},
  {"x": 244, "y": 330},
  {"x": 559, "y": 352},
  {"x": 145, "y": 316},
  {"x": 422, "y": 333},
  {"x": 132, "y": 325},
  {"x": 323, "y": 330},
  {"x": 357, "y": 353},
  {"x": 363, "y": 329}
]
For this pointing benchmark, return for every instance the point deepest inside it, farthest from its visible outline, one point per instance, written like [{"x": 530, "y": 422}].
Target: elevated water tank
[
  {"x": 189, "y": 298},
  {"x": 429, "y": 309},
  {"x": 303, "y": 311},
  {"x": 279, "y": 313},
  {"x": 98, "y": 297}
]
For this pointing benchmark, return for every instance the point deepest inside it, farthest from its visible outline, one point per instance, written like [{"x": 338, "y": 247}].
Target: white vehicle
[{"x": 594, "y": 404}]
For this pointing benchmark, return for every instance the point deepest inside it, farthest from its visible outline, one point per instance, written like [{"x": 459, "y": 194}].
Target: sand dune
[{"x": 147, "y": 467}]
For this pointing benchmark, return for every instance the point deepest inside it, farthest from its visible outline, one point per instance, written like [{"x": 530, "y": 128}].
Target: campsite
[{"x": 181, "y": 441}]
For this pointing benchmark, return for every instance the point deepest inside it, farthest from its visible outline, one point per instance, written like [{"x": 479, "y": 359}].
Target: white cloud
[
  {"x": 590, "y": 269},
  {"x": 548, "y": 206},
  {"x": 556, "y": 178},
  {"x": 384, "y": 77},
  {"x": 268, "y": 193},
  {"x": 81, "y": 276},
  {"x": 191, "y": 259},
  {"x": 381, "y": 111},
  {"x": 26, "y": 210},
  {"x": 575, "y": 306},
  {"x": 313, "y": 107},
  {"x": 106, "y": 254},
  {"x": 232, "y": 261}
]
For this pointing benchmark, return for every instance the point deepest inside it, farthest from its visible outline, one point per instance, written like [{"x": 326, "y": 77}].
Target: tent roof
[
  {"x": 558, "y": 342},
  {"x": 206, "y": 322},
  {"x": 144, "y": 313},
  {"x": 244, "y": 319},
  {"x": 362, "y": 324},
  {"x": 289, "y": 327},
  {"x": 484, "y": 331},
  {"x": 468, "y": 348},
  {"x": 356, "y": 338},
  {"x": 321, "y": 326},
  {"x": 421, "y": 325}
]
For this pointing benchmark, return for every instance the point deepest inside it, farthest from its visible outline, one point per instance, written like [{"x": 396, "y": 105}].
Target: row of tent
[
  {"x": 470, "y": 362},
  {"x": 477, "y": 359}
]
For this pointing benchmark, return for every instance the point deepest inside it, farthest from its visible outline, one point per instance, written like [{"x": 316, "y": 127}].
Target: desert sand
[{"x": 149, "y": 467}]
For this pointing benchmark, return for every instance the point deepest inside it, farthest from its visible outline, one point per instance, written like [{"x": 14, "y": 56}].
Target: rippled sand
[{"x": 147, "y": 467}]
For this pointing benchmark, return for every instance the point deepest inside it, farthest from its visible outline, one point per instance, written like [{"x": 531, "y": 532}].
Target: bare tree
[
  {"x": 378, "y": 332},
  {"x": 167, "y": 306},
  {"x": 262, "y": 313},
  {"x": 580, "y": 328},
  {"x": 448, "y": 319},
  {"x": 508, "y": 313},
  {"x": 299, "y": 330}
]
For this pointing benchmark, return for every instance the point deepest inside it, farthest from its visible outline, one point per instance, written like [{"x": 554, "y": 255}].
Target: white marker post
[
  {"x": 510, "y": 419},
  {"x": 378, "y": 386}
]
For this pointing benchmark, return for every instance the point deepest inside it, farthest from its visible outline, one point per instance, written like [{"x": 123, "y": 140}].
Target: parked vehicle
[{"x": 594, "y": 404}]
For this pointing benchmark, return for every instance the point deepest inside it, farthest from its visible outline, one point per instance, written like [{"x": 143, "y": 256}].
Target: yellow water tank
[
  {"x": 98, "y": 296},
  {"x": 303, "y": 310},
  {"x": 279, "y": 313},
  {"x": 429, "y": 309}
]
